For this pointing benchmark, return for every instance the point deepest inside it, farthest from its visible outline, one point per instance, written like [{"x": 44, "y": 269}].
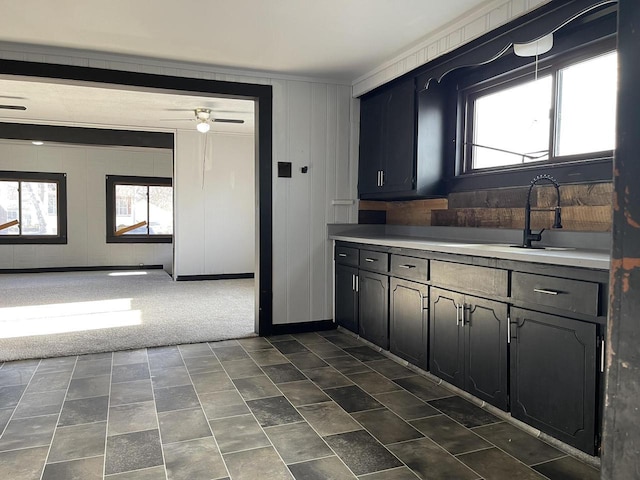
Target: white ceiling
[
  {"x": 336, "y": 39},
  {"x": 97, "y": 106}
]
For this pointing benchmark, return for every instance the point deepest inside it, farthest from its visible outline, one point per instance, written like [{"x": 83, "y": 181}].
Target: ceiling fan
[{"x": 204, "y": 117}]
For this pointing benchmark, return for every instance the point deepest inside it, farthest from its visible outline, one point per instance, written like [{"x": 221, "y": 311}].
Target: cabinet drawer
[
  {"x": 347, "y": 256},
  {"x": 469, "y": 278},
  {"x": 572, "y": 295},
  {"x": 375, "y": 261},
  {"x": 410, "y": 267}
]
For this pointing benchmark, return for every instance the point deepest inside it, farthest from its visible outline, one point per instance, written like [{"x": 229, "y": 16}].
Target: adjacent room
[{"x": 98, "y": 252}]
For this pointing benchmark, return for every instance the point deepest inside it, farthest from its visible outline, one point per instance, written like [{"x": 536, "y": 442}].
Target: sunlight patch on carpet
[{"x": 67, "y": 317}]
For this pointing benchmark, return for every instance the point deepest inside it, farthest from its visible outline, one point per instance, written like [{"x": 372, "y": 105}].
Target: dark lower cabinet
[
  {"x": 346, "y": 297},
  {"x": 374, "y": 308},
  {"x": 553, "y": 376},
  {"x": 468, "y": 344},
  {"x": 446, "y": 344},
  {"x": 486, "y": 344},
  {"x": 409, "y": 321}
]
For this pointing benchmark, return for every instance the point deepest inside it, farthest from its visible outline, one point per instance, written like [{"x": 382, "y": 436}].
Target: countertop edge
[{"x": 570, "y": 258}]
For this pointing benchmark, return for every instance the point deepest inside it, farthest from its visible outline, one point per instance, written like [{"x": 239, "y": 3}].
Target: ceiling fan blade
[
  {"x": 13, "y": 107},
  {"x": 228, "y": 120},
  {"x": 180, "y": 110},
  {"x": 13, "y": 97}
]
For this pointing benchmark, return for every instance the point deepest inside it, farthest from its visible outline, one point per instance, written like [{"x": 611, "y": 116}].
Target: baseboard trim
[
  {"x": 221, "y": 276},
  {"x": 302, "y": 327},
  {"x": 81, "y": 269}
]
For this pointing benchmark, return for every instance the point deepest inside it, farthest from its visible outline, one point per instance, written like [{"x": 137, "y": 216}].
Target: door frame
[{"x": 262, "y": 95}]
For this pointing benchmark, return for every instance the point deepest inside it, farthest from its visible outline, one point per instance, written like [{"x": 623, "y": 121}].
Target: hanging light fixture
[
  {"x": 535, "y": 48},
  {"x": 202, "y": 117}
]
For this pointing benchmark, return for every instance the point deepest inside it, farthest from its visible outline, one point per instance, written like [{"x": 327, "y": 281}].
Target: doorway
[{"x": 260, "y": 94}]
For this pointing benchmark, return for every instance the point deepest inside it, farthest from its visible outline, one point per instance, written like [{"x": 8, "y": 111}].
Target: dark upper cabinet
[
  {"x": 346, "y": 300},
  {"x": 387, "y": 142},
  {"x": 468, "y": 344},
  {"x": 409, "y": 321},
  {"x": 372, "y": 144},
  {"x": 402, "y": 141},
  {"x": 435, "y": 105},
  {"x": 553, "y": 376}
]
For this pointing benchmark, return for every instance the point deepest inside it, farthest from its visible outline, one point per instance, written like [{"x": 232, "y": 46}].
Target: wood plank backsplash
[{"x": 585, "y": 207}]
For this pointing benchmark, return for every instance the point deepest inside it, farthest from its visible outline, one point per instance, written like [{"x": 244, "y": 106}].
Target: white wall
[
  {"x": 86, "y": 168},
  {"x": 215, "y": 216}
]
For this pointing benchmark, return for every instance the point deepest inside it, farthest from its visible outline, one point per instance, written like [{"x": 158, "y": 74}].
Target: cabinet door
[
  {"x": 409, "y": 321},
  {"x": 400, "y": 135},
  {"x": 371, "y": 143},
  {"x": 446, "y": 334},
  {"x": 374, "y": 308},
  {"x": 431, "y": 154},
  {"x": 346, "y": 302},
  {"x": 553, "y": 376},
  {"x": 486, "y": 343}
]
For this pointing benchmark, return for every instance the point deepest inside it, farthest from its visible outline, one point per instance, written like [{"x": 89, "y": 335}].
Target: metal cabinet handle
[
  {"x": 342, "y": 254},
  {"x": 462, "y": 308},
  {"x": 602, "y": 356},
  {"x": 379, "y": 183},
  {"x": 457, "y": 315},
  {"x": 382, "y": 178},
  {"x": 370, "y": 259},
  {"x": 546, "y": 292},
  {"x": 508, "y": 330},
  {"x": 357, "y": 283},
  {"x": 353, "y": 282},
  {"x": 407, "y": 266}
]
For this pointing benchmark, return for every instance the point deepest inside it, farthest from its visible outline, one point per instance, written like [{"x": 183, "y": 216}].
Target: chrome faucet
[{"x": 529, "y": 237}]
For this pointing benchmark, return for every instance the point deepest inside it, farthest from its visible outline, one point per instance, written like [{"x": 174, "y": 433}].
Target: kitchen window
[
  {"x": 139, "y": 209},
  {"x": 564, "y": 111},
  {"x": 32, "y": 208}
]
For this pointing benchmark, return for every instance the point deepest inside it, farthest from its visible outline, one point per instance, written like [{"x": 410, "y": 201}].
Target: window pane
[
  {"x": 511, "y": 126},
  {"x": 9, "y": 206},
  {"x": 161, "y": 210},
  {"x": 36, "y": 219},
  {"x": 587, "y": 110},
  {"x": 131, "y": 208}
]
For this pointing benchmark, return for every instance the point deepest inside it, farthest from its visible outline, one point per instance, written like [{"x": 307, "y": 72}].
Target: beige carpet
[{"x": 57, "y": 314}]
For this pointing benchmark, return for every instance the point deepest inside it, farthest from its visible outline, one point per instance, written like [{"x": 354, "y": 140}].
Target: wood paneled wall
[{"x": 585, "y": 207}]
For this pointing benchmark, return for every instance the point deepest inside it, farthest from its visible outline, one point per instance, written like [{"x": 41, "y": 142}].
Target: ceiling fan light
[{"x": 203, "y": 126}]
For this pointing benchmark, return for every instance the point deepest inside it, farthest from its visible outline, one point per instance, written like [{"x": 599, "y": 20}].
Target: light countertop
[{"x": 567, "y": 256}]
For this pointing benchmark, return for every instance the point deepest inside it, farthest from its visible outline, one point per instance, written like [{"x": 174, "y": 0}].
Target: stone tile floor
[{"x": 309, "y": 406}]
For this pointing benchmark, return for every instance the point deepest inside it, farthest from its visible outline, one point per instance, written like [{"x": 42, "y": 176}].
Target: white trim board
[{"x": 474, "y": 24}]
